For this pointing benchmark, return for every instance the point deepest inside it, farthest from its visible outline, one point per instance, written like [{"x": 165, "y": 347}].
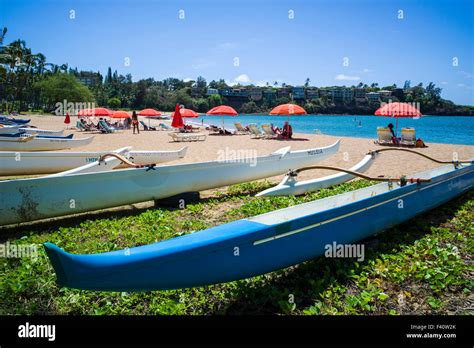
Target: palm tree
[{"x": 307, "y": 81}]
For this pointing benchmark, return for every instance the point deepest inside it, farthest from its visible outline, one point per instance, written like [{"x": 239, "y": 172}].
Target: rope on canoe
[
  {"x": 422, "y": 155},
  {"x": 121, "y": 158},
  {"x": 402, "y": 179}
]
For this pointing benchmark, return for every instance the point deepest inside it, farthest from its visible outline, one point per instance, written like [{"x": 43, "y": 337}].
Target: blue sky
[{"x": 379, "y": 46}]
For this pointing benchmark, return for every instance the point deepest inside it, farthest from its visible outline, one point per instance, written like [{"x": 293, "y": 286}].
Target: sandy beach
[{"x": 351, "y": 151}]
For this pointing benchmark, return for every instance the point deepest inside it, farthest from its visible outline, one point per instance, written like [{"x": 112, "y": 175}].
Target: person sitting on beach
[
  {"x": 135, "y": 122},
  {"x": 275, "y": 130},
  {"x": 395, "y": 140},
  {"x": 287, "y": 132}
]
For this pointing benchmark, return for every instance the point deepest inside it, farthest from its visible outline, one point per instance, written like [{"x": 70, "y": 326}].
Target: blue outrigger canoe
[
  {"x": 263, "y": 243},
  {"x": 12, "y": 121}
]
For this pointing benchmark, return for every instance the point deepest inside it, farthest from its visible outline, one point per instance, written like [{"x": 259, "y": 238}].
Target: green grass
[{"x": 419, "y": 267}]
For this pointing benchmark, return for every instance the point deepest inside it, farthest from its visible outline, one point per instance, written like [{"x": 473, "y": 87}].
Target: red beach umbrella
[
  {"x": 288, "y": 109},
  {"x": 95, "y": 112},
  {"x": 187, "y": 113},
  {"x": 120, "y": 114},
  {"x": 67, "y": 120},
  {"x": 177, "y": 119},
  {"x": 222, "y": 110},
  {"x": 149, "y": 113},
  {"x": 398, "y": 110}
]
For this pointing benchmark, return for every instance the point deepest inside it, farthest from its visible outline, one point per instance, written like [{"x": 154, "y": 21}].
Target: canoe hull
[
  {"x": 6, "y": 129},
  {"x": 25, "y": 200},
  {"x": 258, "y": 245},
  {"x": 42, "y": 144},
  {"x": 24, "y": 163},
  {"x": 42, "y": 131}
]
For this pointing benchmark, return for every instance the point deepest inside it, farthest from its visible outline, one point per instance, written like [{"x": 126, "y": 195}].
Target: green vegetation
[
  {"x": 419, "y": 267},
  {"x": 29, "y": 83},
  {"x": 59, "y": 87}
]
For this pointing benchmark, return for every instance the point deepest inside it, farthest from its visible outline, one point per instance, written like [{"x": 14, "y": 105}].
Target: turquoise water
[{"x": 432, "y": 129}]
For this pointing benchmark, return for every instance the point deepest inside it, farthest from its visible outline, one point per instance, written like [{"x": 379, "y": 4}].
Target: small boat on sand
[
  {"x": 12, "y": 121},
  {"x": 31, "y": 130},
  {"x": 24, "y": 163},
  {"x": 23, "y": 200},
  {"x": 9, "y": 129},
  {"x": 291, "y": 186},
  {"x": 263, "y": 243},
  {"x": 30, "y": 142}
]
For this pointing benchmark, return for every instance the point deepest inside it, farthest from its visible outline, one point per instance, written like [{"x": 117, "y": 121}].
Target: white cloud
[
  {"x": 367, "y": 70},
  {"x": 243, "y": 79},
  {"x": 343, "y": 77},
  {"x": 239, "y": 80},
  {"x": 187, "y": 79},
  {"x": 227, "y": 46},
  {"x": 444, "y": 83},
  {"x": 203, "y": 63},
  {"x": 466, "y": 74},
  {"x": 261, "y": 83}
]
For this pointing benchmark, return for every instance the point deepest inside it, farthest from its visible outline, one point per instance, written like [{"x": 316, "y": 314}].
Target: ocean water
[{"x": 431, "y": 129}]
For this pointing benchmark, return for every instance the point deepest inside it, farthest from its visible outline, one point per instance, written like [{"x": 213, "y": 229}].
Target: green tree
[
  {"x": 59, "y": 87},
  {"x": 215, "y": 100},
  {"x": 114, "y": 103},
  {"x": 201, "y": 105},
  {"x": 249, "y": 108}
]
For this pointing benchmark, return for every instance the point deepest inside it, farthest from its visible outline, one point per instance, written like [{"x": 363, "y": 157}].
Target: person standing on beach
[{"x": 135, "y": 122}]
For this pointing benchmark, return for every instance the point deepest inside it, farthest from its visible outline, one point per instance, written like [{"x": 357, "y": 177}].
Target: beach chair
[
  {"x": 183, "y": 137},
  {"x": 408, "y": 137},
  {"x": 80, "y": 126},
  {"x": 164, "y": 127},
  {"x": 147, "y": 128},
  {"x": 239, "y": 129},
  {"x": 255, "y": 133},
  {"x": 269, "y": 133},
  {"x": 84, "y": 127},
  {"x": 105, "y": 128},
  {"x": 213, "y": 130},
  {"x": 384, "y": 136}
]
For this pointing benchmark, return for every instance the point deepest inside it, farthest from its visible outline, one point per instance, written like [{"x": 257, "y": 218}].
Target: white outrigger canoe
[
  {"x": 24, "y": 200},
  {"x": 30, "y": 130},
  {"x": 33, "y": 143},
  {"x": 291, "y": 186},
  {"x": 24, "y": 163},
  {"x": 9, "y": 129}
]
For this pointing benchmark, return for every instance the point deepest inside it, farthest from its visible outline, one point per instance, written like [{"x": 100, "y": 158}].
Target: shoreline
[{"x": 352, "y": 149}]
